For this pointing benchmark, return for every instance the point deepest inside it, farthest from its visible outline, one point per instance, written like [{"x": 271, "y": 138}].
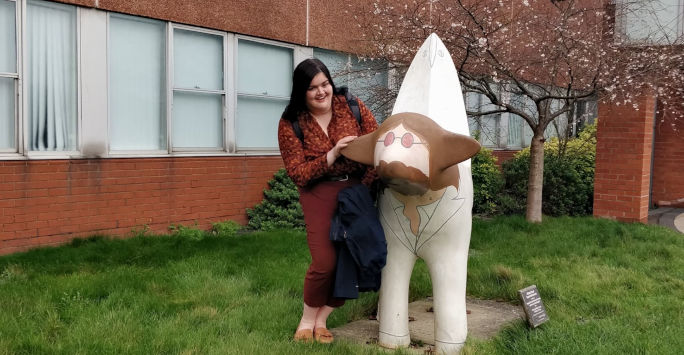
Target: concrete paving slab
[
  {"x": 669, "y": 217},
  {"x": 485, "y": 319},
  {"x": 679, "y": 222},
  {"x": 673, "y": 219}
]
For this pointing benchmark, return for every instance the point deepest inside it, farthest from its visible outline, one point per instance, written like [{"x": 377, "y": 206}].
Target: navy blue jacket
[{"x": 360, "y": 242}]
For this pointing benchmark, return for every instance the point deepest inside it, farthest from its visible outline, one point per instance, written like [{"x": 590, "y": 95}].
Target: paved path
[
  {"x": 485, "y": 319},
  {"x": 672, "y": 218}
]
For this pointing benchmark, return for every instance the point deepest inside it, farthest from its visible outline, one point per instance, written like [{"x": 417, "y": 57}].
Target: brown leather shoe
[
  {"x": 323, "y": 336},
  {"x": 304, "y": 335}
]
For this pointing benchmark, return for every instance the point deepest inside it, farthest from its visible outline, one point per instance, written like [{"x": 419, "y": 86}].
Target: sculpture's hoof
[
  {"x": 448, "y": 348},
  {"x": 393, "y": 341}
]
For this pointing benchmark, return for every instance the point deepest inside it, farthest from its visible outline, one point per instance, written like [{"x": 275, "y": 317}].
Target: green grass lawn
[{"x": 609, "y": 288}]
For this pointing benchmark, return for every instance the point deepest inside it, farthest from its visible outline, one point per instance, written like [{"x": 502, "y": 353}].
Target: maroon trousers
[{"x": 318, "y": 204}]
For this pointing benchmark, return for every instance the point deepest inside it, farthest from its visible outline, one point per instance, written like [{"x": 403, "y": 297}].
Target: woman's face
[{"x": 319, "y": 93}]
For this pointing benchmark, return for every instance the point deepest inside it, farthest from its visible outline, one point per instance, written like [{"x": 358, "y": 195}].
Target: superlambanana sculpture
[{"x": 422, "y": 154}]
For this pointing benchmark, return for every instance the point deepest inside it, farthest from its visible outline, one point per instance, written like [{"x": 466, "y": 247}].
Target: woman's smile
[{"x": 319, "y": 94}]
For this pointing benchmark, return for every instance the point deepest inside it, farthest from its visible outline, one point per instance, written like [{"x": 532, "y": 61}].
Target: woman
[{"x": 315, "y": 165}]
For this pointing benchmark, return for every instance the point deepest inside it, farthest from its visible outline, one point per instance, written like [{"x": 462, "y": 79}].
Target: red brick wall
[
  {"x": 668, "y": 163},
  {"x": 503, "y": 155},
  {"x": 623, "y": 160},
  {"x": 48, "y": 202}
]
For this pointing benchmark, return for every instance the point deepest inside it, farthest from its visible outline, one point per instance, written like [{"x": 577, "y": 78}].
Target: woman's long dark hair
[{"x": 301, "y": 79}]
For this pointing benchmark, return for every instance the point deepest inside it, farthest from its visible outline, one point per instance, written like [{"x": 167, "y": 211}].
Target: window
[
  {"x": 365, "y": 77},
  {"x": 487, "y": 125},
  {"x": 8, "y": 75},
  {"x": 83, "y": 82},
  {"x": 139, "y": 118},
  {"x": 361, "y": 77},
  {"x": 338, "y": 63},
  {"x": 264, "y": 83},
  {"x": 517, "y": 127},
  {"x": 650, "y": 21},
  {"x": 51, "y": 77},
  {"x": 567, "y": 125},
  {"x": 519, "y": 132},
  {"x": 137, "y": 77},
  {"x": 195, "y": 117},
  {"x": 586, "y": 113},
  {"x": 559, "y": 127},
  {"x": 198, "y": 90},
  {"x": 510, "y": 131}
]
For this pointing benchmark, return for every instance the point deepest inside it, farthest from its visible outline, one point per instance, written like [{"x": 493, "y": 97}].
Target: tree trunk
[{"x": 535, "y": 180}]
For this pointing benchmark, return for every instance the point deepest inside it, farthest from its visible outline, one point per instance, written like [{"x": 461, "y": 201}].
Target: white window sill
[{"x": 10, "y": 157}]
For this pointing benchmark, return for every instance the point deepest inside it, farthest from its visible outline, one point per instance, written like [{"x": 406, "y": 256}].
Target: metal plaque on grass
[{"x": 533, "y": 306}]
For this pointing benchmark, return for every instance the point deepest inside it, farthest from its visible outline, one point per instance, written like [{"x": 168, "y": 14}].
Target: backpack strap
[
  {"x": 298, "y": 130},
  {"x": 353, "y": 104}
]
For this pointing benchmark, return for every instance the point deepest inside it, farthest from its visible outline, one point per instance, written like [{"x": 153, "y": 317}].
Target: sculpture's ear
[
  {"x": 362, "y": 149},
  {"x": 454, "y": 148}
]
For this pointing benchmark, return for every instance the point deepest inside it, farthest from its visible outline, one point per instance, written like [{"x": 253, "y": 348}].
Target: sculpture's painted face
[
  {"x": 402, "y": 160},
  {"x": 412, "y": 154},
  {"x": 319, "y": 94}
]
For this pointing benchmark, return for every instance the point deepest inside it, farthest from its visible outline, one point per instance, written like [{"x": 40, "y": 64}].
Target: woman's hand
[{"x": 334, "y": 153}]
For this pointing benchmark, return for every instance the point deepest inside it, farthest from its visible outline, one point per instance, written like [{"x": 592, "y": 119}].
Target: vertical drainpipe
[
  {"x": 307, "y": 23},
  {"x": 653, "y": 142}
]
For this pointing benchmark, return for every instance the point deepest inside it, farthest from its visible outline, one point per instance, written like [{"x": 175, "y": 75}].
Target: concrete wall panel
[
  {"x": 332, "y": 25},
  {"x": 283, "y": 20}
]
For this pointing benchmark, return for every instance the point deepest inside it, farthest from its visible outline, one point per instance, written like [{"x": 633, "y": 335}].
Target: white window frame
[
  {"x": 506, "y": 132},
  {"x": 500, "y": 142},
  {"x": 170, "y": 89},
  {"x": 346, "y": 70},
  {"x": 508, "y": 98},
  {"x": 299, "y": 54},
  {"x": 65, "y": 154},
  {"x": 18, "y": 141},
  {"x": 503, "y": 125},
  {"x": 101, "y": 117},
  {"x": 622, "y": 27},
  {"x": 136, "y": 152}
]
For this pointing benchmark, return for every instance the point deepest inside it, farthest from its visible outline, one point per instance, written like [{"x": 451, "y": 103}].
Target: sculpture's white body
[{"x": 431, "y": 87}]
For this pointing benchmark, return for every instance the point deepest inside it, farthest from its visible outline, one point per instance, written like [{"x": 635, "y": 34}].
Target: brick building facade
[
  {"x": 639, "y": 161},
  {"x": 49, "y": 197},
  {"x": 48, "y": 202},
  {"x": 640, "y": 152},
  {"x": 105, "y": 183}
]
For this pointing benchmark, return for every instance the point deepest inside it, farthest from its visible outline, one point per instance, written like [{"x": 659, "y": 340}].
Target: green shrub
[
  {"x": 225, "y": 229},
  {"x": 568, "y": 177},
  {"x": 514, "y": 195},
  {"x": 487, "y": 182},
  {"x": 509, "y": 205},
  {"x": 280, "y": 208}
]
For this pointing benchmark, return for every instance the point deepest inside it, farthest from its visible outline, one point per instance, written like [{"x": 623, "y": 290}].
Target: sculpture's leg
[
  {"x": 393, "y": 304},
  {"x": 448, "y": 274}
]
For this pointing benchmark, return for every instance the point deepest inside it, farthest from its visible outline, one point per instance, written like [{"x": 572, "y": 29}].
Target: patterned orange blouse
[{"x": 306, "y": 162}]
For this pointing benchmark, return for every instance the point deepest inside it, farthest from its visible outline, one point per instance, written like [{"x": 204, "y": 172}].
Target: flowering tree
[{"x": 532, "y": 58}]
